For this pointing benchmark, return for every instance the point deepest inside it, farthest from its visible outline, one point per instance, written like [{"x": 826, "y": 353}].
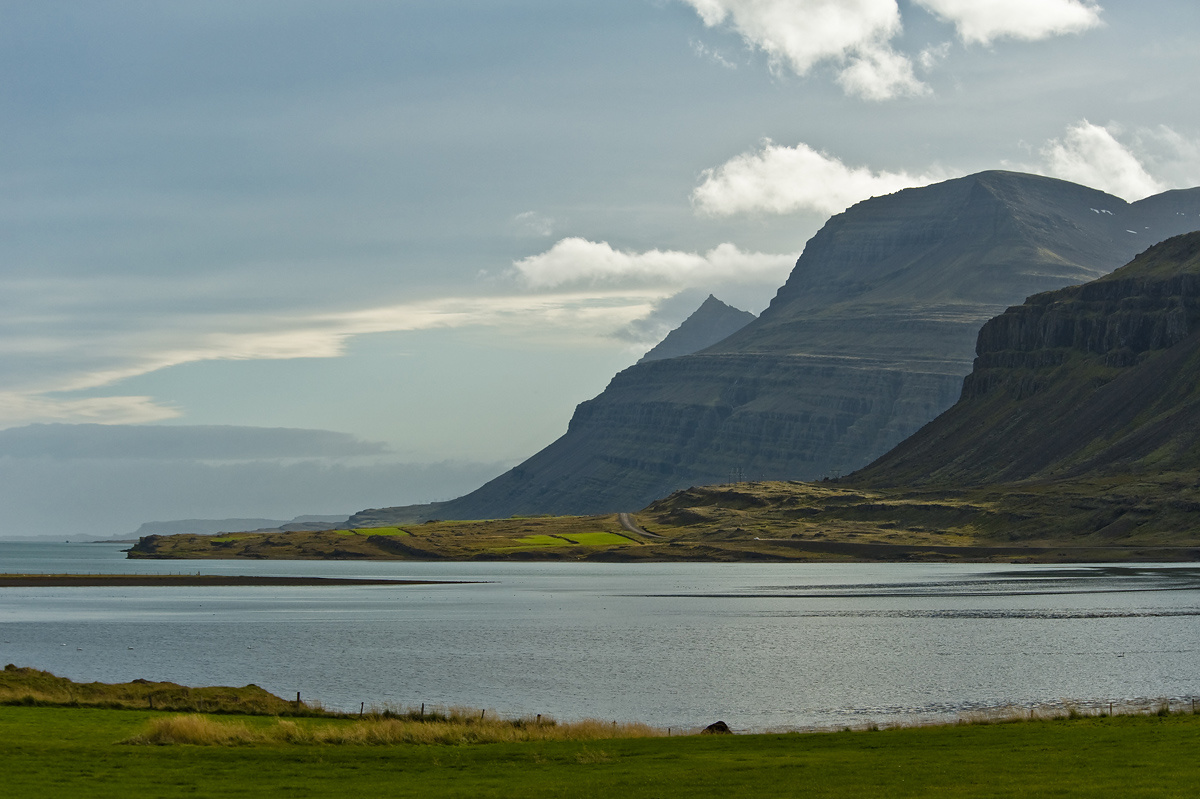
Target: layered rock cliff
[
  {"x": 868, "y": 340},
  {"x": 1101, "y": 379}
]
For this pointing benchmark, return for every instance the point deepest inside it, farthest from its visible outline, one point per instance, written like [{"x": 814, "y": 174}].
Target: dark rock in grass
[{"x": 717, "y": 728}]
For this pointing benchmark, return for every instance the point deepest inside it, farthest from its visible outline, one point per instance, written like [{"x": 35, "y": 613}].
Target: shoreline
[{"x": 167, "y": 580}]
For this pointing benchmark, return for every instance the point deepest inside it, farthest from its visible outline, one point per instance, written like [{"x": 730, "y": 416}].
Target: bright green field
[
  {"x": 67, "y": 752},
  {"x": 574, "y": 539},
  {"x": 374, "y": 531}
]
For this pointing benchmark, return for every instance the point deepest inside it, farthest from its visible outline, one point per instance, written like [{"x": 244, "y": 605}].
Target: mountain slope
[{"x": 867, "y": 341}]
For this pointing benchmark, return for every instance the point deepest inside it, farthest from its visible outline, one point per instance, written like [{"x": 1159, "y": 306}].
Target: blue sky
[{"x": 435, "y": 227}]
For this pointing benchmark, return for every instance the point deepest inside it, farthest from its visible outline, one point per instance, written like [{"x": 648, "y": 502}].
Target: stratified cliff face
[
  {"x": 868, "y": 340},
  {"x": 1095, "y": 380}
]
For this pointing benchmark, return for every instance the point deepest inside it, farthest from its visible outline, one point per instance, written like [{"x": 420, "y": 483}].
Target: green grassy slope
[{"x": 1095, "y": 380}]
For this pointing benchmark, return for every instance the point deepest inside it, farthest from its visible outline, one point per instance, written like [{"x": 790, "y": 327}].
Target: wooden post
[
  {"x": 539, "y": 721},
  {"x": 297, "y": 700},
  {"x": 481, "y": 714},
  {"x": 361, "y": 706},
  {"x": 422, "y": 710}
]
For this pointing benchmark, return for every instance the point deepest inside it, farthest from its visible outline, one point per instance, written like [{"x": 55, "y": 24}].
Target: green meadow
[{"x": 87, "y": 752}]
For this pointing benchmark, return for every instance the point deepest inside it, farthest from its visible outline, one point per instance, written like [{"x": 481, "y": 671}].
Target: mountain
[
  {"x": 868, "y": 340},
  {"x": 1094, "y": 381},
  {"x": 708, "y": 324},
  {"x": 209, "y": 526},
  {"x": 1076, "y": 439}
]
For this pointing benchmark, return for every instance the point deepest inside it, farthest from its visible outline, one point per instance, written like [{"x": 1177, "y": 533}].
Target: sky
[{"x": 410, "y": 237}]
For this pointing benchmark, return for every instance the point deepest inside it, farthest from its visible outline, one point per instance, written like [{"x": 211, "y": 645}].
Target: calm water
[{"x": 760, "y": 646}]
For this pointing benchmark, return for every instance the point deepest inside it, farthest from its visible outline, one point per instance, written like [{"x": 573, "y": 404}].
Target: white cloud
[
  {"x": 984, "y": 21},
  {"x": 933, "y": 55},
  {"x": 1165, "y": 151},
  {"x": 533, "y": 223},
  {"x": 856, "y": 35},
  {"x": 703, "y": 51},
  {"x": 1091, "y": 155},
  {"x": 803, "y": 33},
  {"x": 32, "y": 405},
  {"x": 576, "y": 261},
  {"x": 880, "y": 73},
  {"x": 782, "y": 180}
]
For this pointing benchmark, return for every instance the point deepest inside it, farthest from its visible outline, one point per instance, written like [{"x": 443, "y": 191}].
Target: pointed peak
[{"x": 711, "y": 322}]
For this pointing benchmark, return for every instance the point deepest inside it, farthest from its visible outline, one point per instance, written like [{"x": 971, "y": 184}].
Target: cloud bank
[
  {"x": 183, "y": 442},
  {"x": 856, "y": 35},
  {"x": 88, "y": 498},
  {"x": 70, "y": 362},
  {"x": 783, "y": 180}
]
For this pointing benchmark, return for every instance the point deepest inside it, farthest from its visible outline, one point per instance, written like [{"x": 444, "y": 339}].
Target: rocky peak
[{"x": 708, "y": 324}]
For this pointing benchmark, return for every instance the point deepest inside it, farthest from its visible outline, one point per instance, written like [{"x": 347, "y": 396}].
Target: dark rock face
[
  {"x": 868, "y": 340},
  {"x": 717, "y": 728},
  {"x": 1099, "y": 379},
  {"x": 711, "y": 322}
]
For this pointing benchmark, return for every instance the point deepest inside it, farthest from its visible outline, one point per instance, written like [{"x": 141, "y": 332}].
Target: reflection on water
[{"x": 760, "y": 646}]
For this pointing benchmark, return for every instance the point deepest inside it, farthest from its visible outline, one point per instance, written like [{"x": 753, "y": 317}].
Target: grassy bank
[
  {"x": 67, "y": 752},
  {"x": 35, "y": 688},
  {"x": 1100, "y": 520}
]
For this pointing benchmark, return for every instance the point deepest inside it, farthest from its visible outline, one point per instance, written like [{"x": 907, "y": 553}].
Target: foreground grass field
[{"x": 67, "y": 752}]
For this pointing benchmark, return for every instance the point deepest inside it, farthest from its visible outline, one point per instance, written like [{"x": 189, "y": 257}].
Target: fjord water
[{"x": 759, "y": 646}]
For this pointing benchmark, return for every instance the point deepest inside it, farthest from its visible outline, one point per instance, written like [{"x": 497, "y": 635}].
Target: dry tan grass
[{"x": 207, "y": 731}]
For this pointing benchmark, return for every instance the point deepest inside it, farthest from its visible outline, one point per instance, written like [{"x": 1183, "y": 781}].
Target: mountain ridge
[{"x": 868, "y": 340}]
